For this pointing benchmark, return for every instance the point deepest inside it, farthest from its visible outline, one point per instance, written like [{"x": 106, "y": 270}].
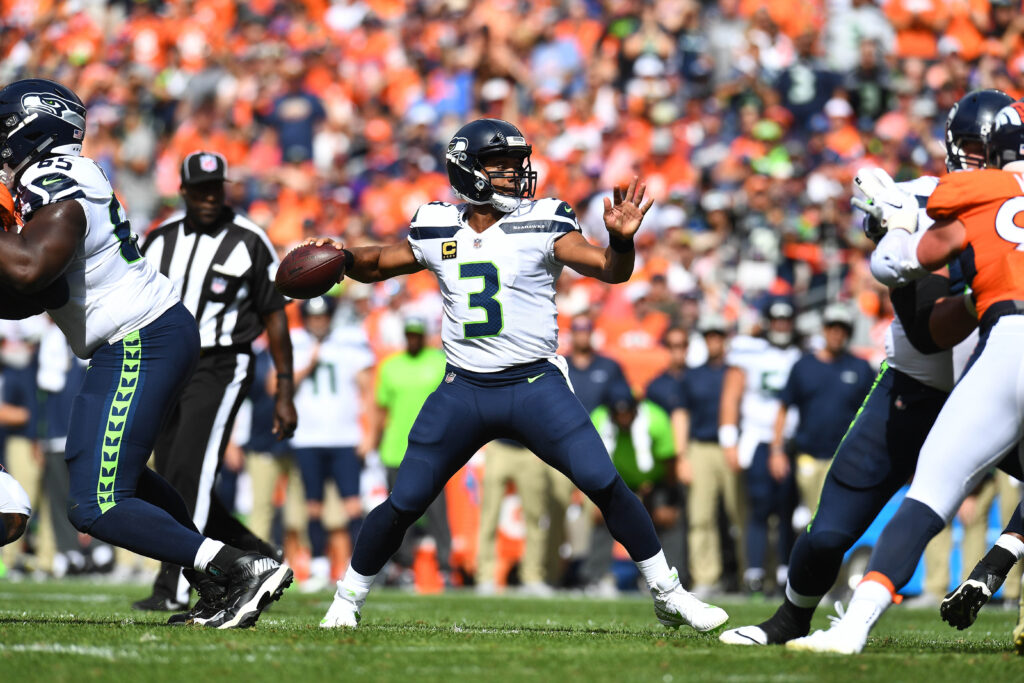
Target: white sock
[
  {"x": 805, "y": 601},
  {"x": 1011, "y": 544},
  {"x": 354, "y": 586},
  {"x": 319, "y": 567},
  {"x": 869, "y": 600},
  {"x": 657, "y": 572},
  {"x": 208, "y": 549}
]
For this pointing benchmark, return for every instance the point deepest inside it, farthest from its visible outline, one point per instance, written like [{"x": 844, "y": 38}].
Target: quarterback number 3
[{"x": 484, "y": 299}]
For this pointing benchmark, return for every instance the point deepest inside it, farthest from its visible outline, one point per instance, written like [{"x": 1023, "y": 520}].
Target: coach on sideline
[{"x": 222, "y": 266}]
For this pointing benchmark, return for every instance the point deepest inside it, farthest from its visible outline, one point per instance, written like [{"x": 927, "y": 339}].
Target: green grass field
[{"x": 79, "y": 632}]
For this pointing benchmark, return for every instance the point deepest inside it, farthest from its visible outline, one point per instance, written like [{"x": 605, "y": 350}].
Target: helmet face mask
[
  {"x": 488, "y": 150},
  {"x": 967, "y": 126},
  {"x": 38, "y": 118}
]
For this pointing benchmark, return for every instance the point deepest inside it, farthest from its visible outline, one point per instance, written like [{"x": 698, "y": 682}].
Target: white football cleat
[
  {"x": 344, "y": 612},
  {"x": 844, "y": 637},
  {"x": 675, "y": 607},
  {"x": 744, "y": 635}
]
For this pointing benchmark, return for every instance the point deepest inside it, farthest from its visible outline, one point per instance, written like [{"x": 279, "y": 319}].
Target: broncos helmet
[
  {"x": 1004, "y": 141},
  {"x": 476, "y": 142},
  {"x": 38, "y": 118},
  {"x": 966, "y": 125}
]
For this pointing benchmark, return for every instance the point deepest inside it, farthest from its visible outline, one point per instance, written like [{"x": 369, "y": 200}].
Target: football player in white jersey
[
  {"x": 75, "y": 256},
  {"x": 14, "y": 508},
  {"x": 878, "y": 454},
  {"x": 497, "y": 258},
  {"x": 757, "y": 370}
]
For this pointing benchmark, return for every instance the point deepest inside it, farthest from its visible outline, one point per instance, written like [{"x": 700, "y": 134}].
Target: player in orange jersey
[{"x": 980, "y": 217}]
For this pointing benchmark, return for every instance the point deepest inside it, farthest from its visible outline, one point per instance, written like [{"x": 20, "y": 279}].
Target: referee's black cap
[{"x": 203, "y": 167}]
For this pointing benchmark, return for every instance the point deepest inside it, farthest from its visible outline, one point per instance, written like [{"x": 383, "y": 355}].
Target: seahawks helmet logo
[
  {"x": 457, "y": 149},
  {"x": 52, "y": 105}
]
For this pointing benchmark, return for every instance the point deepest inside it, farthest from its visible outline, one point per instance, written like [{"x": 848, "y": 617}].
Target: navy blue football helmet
[
  {"x": 476, "y": 142},
  {"x": 1004, "y": 141},
  {"x": 967, "y": 124},
  {"x": 38, "y": 118}
]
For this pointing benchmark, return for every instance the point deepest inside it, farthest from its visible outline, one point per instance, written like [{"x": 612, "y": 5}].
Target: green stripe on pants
[
  {"x": 117, "y": 419},
  {"x": 884, "y": 368}
]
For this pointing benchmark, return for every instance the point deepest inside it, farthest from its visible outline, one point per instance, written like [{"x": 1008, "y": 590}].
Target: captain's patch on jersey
[{"x": 449, "y": 249}]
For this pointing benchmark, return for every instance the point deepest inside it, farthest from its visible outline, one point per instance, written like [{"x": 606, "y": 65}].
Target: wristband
[
  {"x": 619, "y": 245},
  {"x": 970, "y": 304},
  {"x": 728, "y": 436},
  {"x": 350, "y": 259}
]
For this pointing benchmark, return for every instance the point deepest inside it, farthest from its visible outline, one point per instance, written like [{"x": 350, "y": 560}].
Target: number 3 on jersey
[{"x": 492, "y": 325}]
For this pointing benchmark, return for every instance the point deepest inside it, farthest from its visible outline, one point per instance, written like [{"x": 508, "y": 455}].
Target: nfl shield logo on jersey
[
  {"x": 219, "y": 284},
  {"x": 477, "y": 243}
]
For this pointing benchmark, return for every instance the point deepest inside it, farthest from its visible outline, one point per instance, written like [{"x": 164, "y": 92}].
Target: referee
[{"x": 222, "y": 265}]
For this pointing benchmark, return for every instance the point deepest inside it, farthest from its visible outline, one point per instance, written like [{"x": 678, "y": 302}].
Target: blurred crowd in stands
[{"x": 747, "y": 120}]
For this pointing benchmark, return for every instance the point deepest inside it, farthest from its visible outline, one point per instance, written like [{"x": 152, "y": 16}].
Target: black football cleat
[
  {"x": 960, "y": 608},
  {"x": 253, "y": 582},
  {"x": 212, "y": 593}
]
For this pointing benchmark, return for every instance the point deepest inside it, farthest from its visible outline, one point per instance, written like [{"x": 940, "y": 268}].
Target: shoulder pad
[
  {"x": 434, "y": 221},
  {"x": 962, "y": 190},
  {"x": 57, "y": 179},
  {"x": 435, "y": 213},
  {"x": 543, "y": 215}
]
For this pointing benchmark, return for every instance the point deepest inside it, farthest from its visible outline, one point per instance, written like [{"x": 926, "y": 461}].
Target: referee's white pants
[{"x": 981, "y": 421}]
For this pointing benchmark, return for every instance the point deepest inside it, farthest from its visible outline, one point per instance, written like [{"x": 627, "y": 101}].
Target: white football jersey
[
  {"x": 114, "y": 291},
  {"x": 13, "y": 498},
  {"x": 327, "y": 401},
  {"x": 498, "y": 286},
  {"x": 933, "y": 369},
  {"x": 766, "y": 368}
]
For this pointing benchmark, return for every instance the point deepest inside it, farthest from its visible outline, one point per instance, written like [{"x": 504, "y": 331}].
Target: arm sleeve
[
  {"x": 894, "y": 261},
  {"x": 913, "y": 305}
]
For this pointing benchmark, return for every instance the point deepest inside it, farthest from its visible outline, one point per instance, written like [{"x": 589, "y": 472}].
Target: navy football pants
[
  {"x": 467, "y": 411},
  {"x": 875, "y": 458},
  {"x": 128, "y": 390}
]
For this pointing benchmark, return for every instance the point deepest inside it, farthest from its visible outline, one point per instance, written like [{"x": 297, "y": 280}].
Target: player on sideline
[
  {"x": 75, "y": 256},
  {"x": 976, "y": 215},
  {"x": 14, "y": 508},
  {"x": 880, "y": 449},
  {"x": 497, "y": 258}
]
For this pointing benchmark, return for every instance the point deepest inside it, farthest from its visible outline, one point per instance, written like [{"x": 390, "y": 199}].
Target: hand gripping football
[{"x": 308, "y": 271}]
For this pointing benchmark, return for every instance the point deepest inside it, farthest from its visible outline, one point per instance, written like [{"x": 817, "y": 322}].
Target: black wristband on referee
[
  {"x": 619, "y": 245},
  {"x": 350, "y": 259}
]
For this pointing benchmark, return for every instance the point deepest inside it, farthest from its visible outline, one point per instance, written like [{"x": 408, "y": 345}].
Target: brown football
[{"x": 308, "y": 271}]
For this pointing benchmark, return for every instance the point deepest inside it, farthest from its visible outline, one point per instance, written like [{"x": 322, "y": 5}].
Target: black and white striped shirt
[{"x": 224, "y": 276}]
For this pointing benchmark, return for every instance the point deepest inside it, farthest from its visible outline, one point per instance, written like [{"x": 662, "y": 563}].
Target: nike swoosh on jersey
[
  {"x": 531, "y": 380},
  {"x": 51, "y": 181}
]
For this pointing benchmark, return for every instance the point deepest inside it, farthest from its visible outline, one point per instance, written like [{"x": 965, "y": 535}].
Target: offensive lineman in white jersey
[
  {"x": 75, "y": 256},
  {"x": 497, "y": 258},
  {"x": 880, "y": 449}
]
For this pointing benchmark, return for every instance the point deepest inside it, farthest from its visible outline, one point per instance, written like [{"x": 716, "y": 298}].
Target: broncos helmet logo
[{"x": 55, "y": 106}]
